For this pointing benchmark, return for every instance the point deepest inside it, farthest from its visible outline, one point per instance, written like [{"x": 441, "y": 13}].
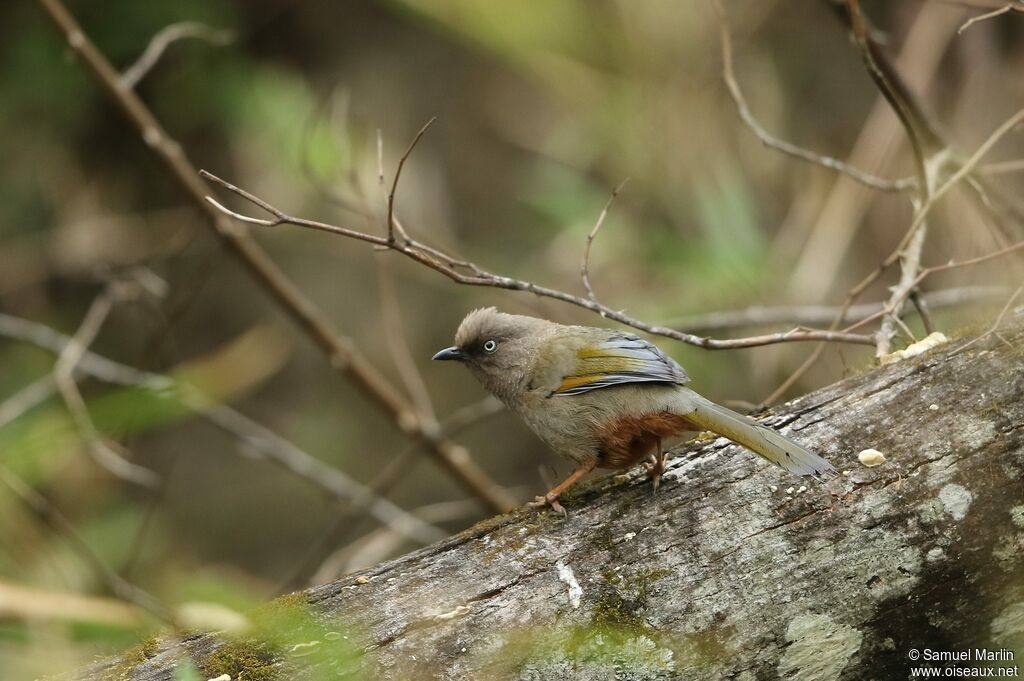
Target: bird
[{"x": 603, "y": 398}]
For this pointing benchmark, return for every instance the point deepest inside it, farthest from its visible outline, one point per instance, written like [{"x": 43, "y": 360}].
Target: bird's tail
[{"x": 769, "y": 443}]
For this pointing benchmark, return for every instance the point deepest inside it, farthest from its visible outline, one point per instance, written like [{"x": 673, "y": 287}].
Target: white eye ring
[{"x": 490, "y": 346}]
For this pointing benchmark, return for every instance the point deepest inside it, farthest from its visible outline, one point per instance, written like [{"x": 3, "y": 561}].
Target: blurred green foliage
[{"x": 543, "y": 108}]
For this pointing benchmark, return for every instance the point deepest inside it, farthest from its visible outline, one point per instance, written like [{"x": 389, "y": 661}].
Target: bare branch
[
  {"x": 380, "y": 157},
  {"x": 972, "y": 4},
  {"x": 911, "y": 247},
  {"x": 585, "y": 267},
  {"x": 994, "y": 329},
  {"x": 928, "y": 271},
  {"x": 336, "y": 483},
  {"x": 257, "y": 437},
  {"x": 49, "y": 514},
  {"x": 931, "y": 155},
  {"x": 27, "y": 398},
  {"x": 106, "y": 453},
  {"x": 1008, "y": 7},
  {"x": 447, "y": 265},
  {"x": 769, "y": 140},
  {"x": 923, "y": 310},
  {"x": 912, "y": 115},
  {"x": 466, "y": 416},
  {"x": 1002, "y": 167},
  {"x": 395, "y": 336},
  {"x": 816, "y": 315},
  {"x": 91, "y": 364},
  {"x": 164, "y": 39},
  {"x": 378, "y": 544},
  {"x": 242, "y": 218},
  {"x": 398, "y": 173},
  {"x": 929, "y": 163},
  {"x": 21, "y": 602},
  {"x": 346, "y": 522},
  {"x": 339, "y": 350}
]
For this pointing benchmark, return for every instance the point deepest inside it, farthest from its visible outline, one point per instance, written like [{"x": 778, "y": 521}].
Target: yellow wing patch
[
  {"x": 620, "y": 359},
  {"x": 596, "y": 365}
]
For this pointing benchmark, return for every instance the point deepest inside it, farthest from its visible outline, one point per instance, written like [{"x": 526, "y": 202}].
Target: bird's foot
[
  {"x": 549, "y": 500},
  {"x": 655, "y": 468}
]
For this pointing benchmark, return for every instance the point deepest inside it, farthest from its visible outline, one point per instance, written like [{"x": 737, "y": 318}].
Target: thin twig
[
  {"x": 769, "y": 140},
  {"x": 923, "y": 310},
  {"x": 377, "y": 545},
  {"x": 49, "y": 513},
  {"x": 340, "y": 351},
  {"x": 1002, "y": 167},
  {"x": 164, "y": 39},
  {"x": 104, "y": 452},
  {"x": 804, "y": 367},
  {"x": 26, "y": 399},
  {"x": 909, "y": 110},
  {"x": 398, "y": 173},
  {"x": 928, "y": 162},
  {"x": 1008, "y": 7},
  {"x": 963, "y": 172},
  {"x": 994, "y": 329},
  {"x": 447, "y": 265},
  {"x": 380, "y": 157},
  {"x": 928, "y": 271},
  {"x": 257, "y": 437},
  {"x": 35, "y": 604},
  {"x": 886, "y": 309},
  {"x": 471, "y": 414},
  {"x": 395, "y": 337},
  {"x": 585, "y": 266},
  {"x": 911, "y": 251},
  {"x": 815, "y": 315},
  {"x": 347, "y": 520},
  {"x": 972, "y": 4},
  {"x": 337, "y": 484},
  {"x": 910, "y": 263}
]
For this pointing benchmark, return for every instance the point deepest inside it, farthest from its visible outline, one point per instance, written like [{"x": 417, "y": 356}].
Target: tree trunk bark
[{"x": 733, "y": 570}]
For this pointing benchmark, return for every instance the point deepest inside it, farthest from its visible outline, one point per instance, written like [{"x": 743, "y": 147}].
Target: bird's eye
[{"x": 490, "y": 346}]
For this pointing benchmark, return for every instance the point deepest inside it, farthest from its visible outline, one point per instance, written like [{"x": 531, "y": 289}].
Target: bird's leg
[
  {"x": 551, "y": 498},
  {"x": 656, "y": 467}
]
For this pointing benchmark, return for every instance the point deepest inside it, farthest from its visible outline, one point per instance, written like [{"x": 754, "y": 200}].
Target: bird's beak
[{"x": 451, "y": 353}]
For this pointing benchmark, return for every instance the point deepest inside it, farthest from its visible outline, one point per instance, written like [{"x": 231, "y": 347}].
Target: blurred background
[{"x": 543, "y": 108}]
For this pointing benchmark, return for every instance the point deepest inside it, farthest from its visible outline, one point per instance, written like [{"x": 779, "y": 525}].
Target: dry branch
[
  {"x": 25, "y": 603},
  {"x": 931, "y": 154},
  {"x": 259, "y": 440},
  {"x": 450, "y": 267},
  {"x": 51, "y": 515},
  {"x": 107, "y": 453},
  {"x": 816, "y": 315},
  {"x": 340, "y": 351},
  {"x": 164, "y": 39},
  {"x": 787, "y": 148},
  {"x": 585, "y": 264},
  {"x": 1015, "y": 6},
  {"x": 733, "y": 570}
]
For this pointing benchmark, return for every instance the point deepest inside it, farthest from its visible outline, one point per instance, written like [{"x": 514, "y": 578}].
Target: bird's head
[{"x": 498, "y": 348}]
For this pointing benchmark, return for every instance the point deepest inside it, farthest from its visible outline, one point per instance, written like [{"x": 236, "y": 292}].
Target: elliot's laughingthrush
[{"x": 603, "y": 398}]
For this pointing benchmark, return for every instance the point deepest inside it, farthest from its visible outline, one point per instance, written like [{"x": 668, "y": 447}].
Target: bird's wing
[{"x": 618, "y": 359}]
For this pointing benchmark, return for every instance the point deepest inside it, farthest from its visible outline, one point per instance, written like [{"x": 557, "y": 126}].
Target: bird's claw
[
  {"x": 548, "y": 500},
  {"x": 655, "y": 469}
]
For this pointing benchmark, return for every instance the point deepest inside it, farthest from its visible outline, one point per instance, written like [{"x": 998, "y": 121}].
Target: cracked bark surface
[{"x": 734, "y": 569}]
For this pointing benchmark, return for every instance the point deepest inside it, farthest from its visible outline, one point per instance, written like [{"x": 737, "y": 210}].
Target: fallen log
[{"x": 733, "y": 570}]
